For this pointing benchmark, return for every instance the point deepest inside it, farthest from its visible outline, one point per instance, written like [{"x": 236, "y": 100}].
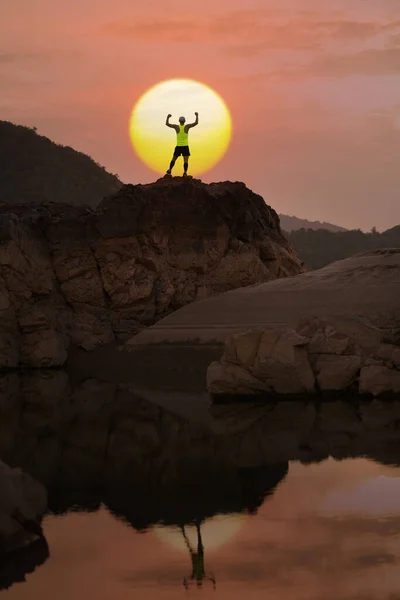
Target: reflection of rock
[
  {"x": 308, "y": 431},
  {"x": 336, "y": 354},
  {"x": 22, "y": 504},
  {"x": 196, "y": 490},
  {"x": 70, "y": 275},
  {"x": 16, "y": 565},
  {"x": 102, "y": 442}
]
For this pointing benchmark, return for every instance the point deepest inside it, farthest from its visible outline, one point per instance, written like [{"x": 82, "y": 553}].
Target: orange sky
[
  {"x": 306, "y": 542},
  {"x": 313, "y": 86}
]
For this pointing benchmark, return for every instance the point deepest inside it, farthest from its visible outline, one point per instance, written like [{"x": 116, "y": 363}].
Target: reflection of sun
[
  {"x": 215, "y": 532},
  {"x": 154, "y": 142}
]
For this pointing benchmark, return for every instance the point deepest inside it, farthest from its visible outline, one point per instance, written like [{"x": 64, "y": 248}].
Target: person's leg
[
  {"x": 185, "y": 165},
  {"x": 172, "y": 164}
]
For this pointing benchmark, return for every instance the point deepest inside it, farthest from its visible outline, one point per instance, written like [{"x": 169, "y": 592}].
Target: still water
[{"x": 149, "y": 500}]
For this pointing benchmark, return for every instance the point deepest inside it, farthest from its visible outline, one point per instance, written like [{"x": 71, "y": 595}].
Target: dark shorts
[{"x": 182, "y": 151}]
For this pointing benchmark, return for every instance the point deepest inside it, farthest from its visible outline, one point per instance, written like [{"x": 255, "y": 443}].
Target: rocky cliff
[{"x": 72, "y": 275}]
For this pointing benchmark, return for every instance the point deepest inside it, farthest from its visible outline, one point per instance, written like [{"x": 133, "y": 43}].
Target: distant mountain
[
  {"x": 320, "y": 247},
  {"x": 394, "y": 231},
  {"x": 34, "y": 169},
  {"x": 289, "y": 223}
]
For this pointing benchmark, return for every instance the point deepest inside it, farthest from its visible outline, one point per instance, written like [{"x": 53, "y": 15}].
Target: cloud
[
  {"x": 393, "y": 41},
  {"x": 11, "y": 58},
  {"x": 7, "y": 58},
  {"x": 250, "y": 32},
  {"x": 372, "y": 62}
]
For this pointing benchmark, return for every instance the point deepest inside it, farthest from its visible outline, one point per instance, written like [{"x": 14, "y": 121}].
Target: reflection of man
[
  {"x": 182, "y": 142},
  {"x": 198, "y": 568}
]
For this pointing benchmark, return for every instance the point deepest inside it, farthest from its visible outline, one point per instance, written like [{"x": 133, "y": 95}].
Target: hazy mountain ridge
[
  {"x": 291, "y": 223},
  {"x": 35, "y": 170},
  {"x": 319, "y": 247}
]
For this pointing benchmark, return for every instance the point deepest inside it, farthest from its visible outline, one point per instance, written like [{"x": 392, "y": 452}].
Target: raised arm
[
  {"x": 168, "y": 124},
  {"x": 190, "y": 125}
]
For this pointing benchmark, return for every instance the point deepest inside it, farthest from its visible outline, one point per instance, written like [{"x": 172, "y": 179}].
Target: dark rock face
[{"x": 70, "y": 275}]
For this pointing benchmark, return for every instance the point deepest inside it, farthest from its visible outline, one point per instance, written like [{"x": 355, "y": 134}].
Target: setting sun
[{"x": 154, "y": 142}]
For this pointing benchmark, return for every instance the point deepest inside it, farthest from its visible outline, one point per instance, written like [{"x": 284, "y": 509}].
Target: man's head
[{"x": 182, "y": 120}]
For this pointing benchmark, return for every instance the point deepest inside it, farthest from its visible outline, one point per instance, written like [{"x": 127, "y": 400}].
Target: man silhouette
[{"x": 182, "y": 142}]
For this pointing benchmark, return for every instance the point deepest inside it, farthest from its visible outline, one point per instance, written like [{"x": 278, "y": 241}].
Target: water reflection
[
  {"x": 99, "y": 446},
  {"x": 103, "y": 444},
  {"x": 15, "y": 566}
]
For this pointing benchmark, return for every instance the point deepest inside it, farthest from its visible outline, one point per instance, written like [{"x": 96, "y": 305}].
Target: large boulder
[
  {"x": 22, "y": 504},
  {"x": 71, "y": 275},
  {"x": 263, "y": 361}
]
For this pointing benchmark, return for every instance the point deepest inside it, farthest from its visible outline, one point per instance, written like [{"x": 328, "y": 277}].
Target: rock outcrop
[
  {"x": 320, "y": 355},
  {"x": 22, "y": 505},
  {"x": 70, "y": 275},
  {"x": 365, "y": 286}
]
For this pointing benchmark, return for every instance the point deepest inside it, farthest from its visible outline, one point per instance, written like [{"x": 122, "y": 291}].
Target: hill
[
  {"x": 317, "y": 248},
  {"x": 290, "y": 223},
  {"x": 35, "y": 170}
]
